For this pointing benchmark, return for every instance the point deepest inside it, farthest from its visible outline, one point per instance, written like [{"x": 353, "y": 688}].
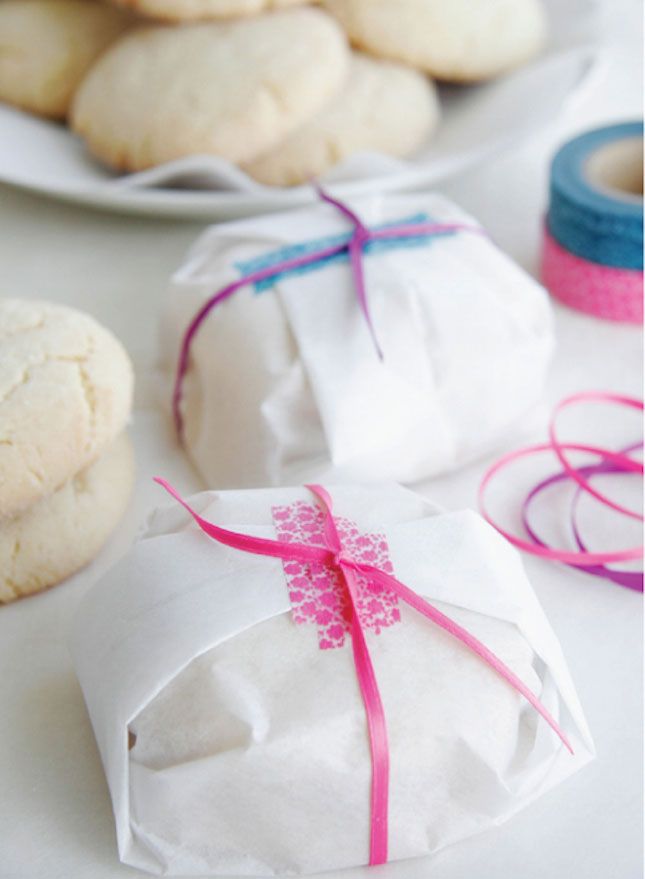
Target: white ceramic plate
[{"x": 477, "y": 121}]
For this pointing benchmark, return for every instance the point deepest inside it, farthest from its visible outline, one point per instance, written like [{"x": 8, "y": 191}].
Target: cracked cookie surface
[
  {"x": 64, "y": 531},
  {"x": 453, "y": 40},
  {"x": 189, "y": 10},
  {"x": 47, "y": 47},
  {"x": 384, "y": 107},
  {"x": 230, "y": 89},
  {"x": 65, "y": 394}
]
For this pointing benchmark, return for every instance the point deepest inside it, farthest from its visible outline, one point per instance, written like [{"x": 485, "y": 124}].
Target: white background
[{"x": 55, "y": 818}]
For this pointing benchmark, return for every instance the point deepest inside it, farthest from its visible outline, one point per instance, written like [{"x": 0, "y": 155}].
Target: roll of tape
[{"x": 592, "y": 257}]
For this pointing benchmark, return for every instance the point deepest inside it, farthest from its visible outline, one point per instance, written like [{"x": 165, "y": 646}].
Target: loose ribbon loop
[
  {"x": 622, "y": 461},
  {"x": 355, "y": 247},
  {"x": 629, "y": 579},
  {"x": 334, "y": 555},
  {"x": 611, "y": 462}
]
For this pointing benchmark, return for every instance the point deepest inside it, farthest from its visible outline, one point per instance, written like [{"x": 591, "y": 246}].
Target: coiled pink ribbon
[
  {"x": 610, "y": 462},
  {"x": 360, "y": 238},
  {"x": 333, "y": 555}
]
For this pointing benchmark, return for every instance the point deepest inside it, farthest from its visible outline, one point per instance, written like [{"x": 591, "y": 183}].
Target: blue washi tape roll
[{"x": 596, "y": 196}]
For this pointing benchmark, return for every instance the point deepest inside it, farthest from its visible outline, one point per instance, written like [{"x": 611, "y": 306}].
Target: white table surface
[{"x": 55, "y": 817}]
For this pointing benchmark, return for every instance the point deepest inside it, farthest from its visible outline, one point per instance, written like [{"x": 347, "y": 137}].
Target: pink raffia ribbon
[
  {"x": 360, "y": 238},
  {"x": 334, "y": 555},
  {"x": 607, "y": 462}
]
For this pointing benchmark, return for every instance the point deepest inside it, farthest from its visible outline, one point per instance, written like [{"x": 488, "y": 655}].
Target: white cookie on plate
[
  {"x": 232, "y": 89},
  {"x": 65, "y": 394},
  {"x": 64, "y": 531},
  {"x": 455, "y": 40},
  {"x": 190, "y": 10},
  {"x": 47, "y": 46},
  {"x": 385, "y": 107}
]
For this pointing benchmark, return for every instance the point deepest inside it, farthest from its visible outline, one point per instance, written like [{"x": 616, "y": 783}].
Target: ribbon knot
[
  {"x": 374, "y": 713},
  {"x": 342, "y": 560},
  {"x": 361, "y": 236}
]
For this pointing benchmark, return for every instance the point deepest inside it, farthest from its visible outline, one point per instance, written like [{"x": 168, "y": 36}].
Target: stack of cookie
[
  {"x": 47, "y": 48},
  {"x": 66, "y": 464},
  {"x": 279, "y": 92}
]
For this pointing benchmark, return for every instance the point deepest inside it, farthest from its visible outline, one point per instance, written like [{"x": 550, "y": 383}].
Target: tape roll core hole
[{"x": 617, "y": 169}]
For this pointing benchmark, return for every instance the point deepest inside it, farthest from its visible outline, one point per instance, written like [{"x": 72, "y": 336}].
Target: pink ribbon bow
[
  {"x": 334, "y": 555},
  {"x": 360, "y": 238}
]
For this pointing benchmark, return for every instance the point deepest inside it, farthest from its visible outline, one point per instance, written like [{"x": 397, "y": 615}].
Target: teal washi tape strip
[
  {"x": 291, "y": 251},
  {"x": 596, "y": 196}
]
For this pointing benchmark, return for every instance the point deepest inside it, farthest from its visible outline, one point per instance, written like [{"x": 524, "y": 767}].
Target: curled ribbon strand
[
  {"x": 629, "y": 579},
  {"x": 360, "y": 238},
  {"x": 610, "y": 462},
  {"x": 622, "y": 461},
  {"x": 333, "y": 555}
]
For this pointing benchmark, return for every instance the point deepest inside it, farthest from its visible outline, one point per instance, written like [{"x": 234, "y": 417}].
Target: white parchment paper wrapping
[
  {"x": 285, "y": 384},
  {"x": 248, "y": 744}
]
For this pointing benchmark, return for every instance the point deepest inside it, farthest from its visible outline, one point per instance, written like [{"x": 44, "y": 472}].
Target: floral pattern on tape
[{"x": 317, "y": 592}]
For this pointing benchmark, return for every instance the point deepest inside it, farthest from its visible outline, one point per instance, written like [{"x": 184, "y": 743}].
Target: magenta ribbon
[
  {"x": 594, "y": 563},
  {"x": 628, "y": 579},
  {"x": 360, "y": 238},
  {"x": 333, "y": 554}
]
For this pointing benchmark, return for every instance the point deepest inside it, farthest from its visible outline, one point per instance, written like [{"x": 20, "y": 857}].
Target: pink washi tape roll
[{"x": 592, "y": 256}]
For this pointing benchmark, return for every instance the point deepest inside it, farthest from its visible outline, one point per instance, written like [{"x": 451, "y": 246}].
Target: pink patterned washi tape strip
[
  {"x": 317, "y": 592},
  {"x": 607, "y": 292}
]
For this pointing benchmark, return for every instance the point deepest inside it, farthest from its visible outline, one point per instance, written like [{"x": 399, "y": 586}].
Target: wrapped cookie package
[
  {"x": 284, "y": 382},
  {"x": 225, "y": 698}
]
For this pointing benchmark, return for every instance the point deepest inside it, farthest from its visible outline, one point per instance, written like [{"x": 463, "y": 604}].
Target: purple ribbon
[
  {"x": 629, "y": 579},
  {"x": 361, "y": 237}
]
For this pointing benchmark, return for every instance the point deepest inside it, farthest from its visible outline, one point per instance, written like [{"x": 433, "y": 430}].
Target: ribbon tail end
[{"x": 168, "y": 487}]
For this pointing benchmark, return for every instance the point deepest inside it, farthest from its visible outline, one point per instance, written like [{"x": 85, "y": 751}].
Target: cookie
[
  {"x": 47, "y": 46},
  {"x": 233, "y": 89},
  {"x": 64, "y": 531},
  {"x": 190, "y": 10},
  {"x": 65, "y": 394},
  {"x": 385, "y": 107},
  {"x": 455, "y": 40}
]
